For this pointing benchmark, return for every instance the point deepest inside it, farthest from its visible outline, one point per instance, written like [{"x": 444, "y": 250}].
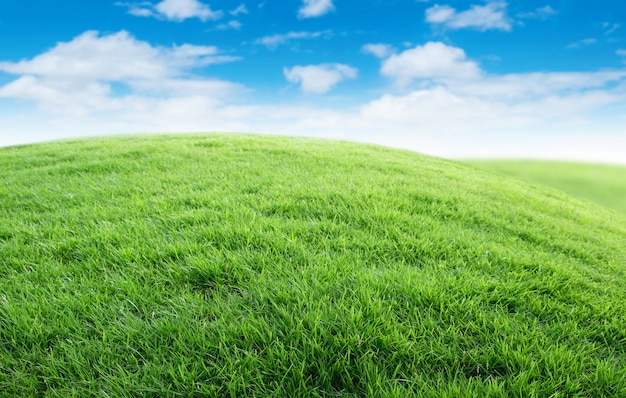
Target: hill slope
[
  {"x": 259, "y": 266},
  {"x": 603, "y": 184}
]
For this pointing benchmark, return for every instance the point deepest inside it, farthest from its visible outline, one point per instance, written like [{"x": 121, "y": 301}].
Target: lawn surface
[
  {"x": 600, "y": 183},
  {"x": 234, "y": 265}
]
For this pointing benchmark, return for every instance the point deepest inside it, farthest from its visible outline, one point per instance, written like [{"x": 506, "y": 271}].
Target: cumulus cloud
[
  {"x": 379, "y": 50},
  {"x": 274, "y": 41},
  {"x": 319, "y": 79},
  {"x": 440, "y": 65},
  {"x": 116, "y": 57},
  {"x": 456, "y": 100},
  {"x": 431, "y": 61},
  {"x": 173, "y": 10},
  {"x": 78, "y": 74},
  {"x": 315, "y": 8},
  {"x": 179, "y": 10},
  {"x": 490, "y": 16},
  {"x": 89, "y": 56}
]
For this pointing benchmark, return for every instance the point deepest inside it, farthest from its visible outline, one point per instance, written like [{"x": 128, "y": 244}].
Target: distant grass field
[
  {"x": 603, "y": 184},
  {"x": 235, "y": 265}
]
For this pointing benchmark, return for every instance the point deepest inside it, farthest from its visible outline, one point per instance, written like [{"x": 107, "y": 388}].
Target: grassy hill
[
  {"x": 233, "y": 265},
  {"x": 603, "y": 184}
]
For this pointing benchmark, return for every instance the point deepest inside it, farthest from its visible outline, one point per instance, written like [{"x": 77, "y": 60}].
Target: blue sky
[{"x": 450, "y": 78}]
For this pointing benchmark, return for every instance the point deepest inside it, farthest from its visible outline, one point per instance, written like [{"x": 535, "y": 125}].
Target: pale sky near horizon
[{"x": 452, "y": 78}]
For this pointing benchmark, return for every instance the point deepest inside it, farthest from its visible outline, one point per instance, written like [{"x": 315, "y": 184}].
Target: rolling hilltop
[{"x": 237, "y": 265}]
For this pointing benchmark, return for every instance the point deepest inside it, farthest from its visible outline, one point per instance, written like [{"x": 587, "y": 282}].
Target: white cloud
[
  {"x": 274, "y": 41},
  {"x": 179, "y": 10},
  {"x": 485, "y": 115},
  {"x": 610, "y": 27},
  {"x": 58, "y": 94},
  {"x": 315, "y": 8},
  {"x": 438, "y": 65},
  {"x": 235, "y": 25},
  {"x": 143, "y": 9},
  {"x": 89, "y": 56},
  {"x": 319, "y": 79},
  {"x": 379, "y": 50},
  {"x": 584, "y": 42},
  {"x": 554, "y": 125},
  {"x": 432, "y": 60},
  {"x": 242, "y": 9},
  {"x": 78, "y": 75},
  {"x": 621, "y": 52},
  {"x": 524, "y": 87},
  {"x": 436, "y": 109},
  {"x": 440, "y": 14},
  {"x": 490, "y": 16},
  {"x": 173, "y": 10},
  {"x": 115, "y": 57},
  {"x": 542, "y": 13}
]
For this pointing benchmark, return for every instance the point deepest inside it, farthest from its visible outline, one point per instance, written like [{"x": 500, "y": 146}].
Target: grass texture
[
  {"x": 603, "y": 184},
  {"x": 235, "y": 265}
]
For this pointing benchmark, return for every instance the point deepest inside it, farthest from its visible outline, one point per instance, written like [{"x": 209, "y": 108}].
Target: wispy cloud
[
  {"x": 315, "y": 8},
  {"x": 242, "y": 9},
  {"x": 542, "y": 13},
  {"x": 235, "y": 25},
  {"x": 492, "y": 15},
  {"x": 319, "y": 79},
  {"x": 610, "y": 27},
  {"x": 274, "y": 41},
  {"x": 173, "y": 10},
  {"x": 582, "y": 43},
  {"x": 379, "y": 50},
  {"x": 140, "y": 9}
]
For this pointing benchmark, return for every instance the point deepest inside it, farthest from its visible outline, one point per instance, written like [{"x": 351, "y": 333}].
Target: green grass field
[
  {"x": 235, "y": 265},
  {"x": 603, "y": 184}
]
